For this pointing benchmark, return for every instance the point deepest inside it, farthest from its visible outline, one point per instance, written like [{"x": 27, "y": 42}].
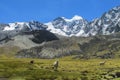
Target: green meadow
[{"x": 69, "y": 69}]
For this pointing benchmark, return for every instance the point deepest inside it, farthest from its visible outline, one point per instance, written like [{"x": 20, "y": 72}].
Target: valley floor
[{"x": 69, "y": 69}]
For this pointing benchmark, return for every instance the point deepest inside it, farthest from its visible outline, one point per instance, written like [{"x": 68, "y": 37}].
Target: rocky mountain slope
[{"x": 85, "y": 48}]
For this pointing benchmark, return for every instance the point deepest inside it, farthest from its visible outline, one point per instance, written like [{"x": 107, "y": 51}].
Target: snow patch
[
  {"x": 13, "y": 26},
  {"x": 76, "y": 17},
  {"x": 54, "y": 30}
]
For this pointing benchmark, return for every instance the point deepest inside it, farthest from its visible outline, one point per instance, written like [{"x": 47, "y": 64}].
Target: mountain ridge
[{"x": 76, "y": 26}]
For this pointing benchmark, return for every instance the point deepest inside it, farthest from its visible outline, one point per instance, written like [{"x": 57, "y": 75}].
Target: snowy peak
[
  {"x": 107, "y": 24},
  {"x": 76, "y": 17},
  {"x": 68, "y": 27},
  {"x": 26, "y": 26},
  {"x": 13, "y": 26}
]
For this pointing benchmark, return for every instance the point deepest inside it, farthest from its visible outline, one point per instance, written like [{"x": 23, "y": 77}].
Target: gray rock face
[{"x": 35, "y": 25}]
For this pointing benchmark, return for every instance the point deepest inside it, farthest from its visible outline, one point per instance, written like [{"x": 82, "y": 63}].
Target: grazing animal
[
  {"x": 32, "y": 61},
  {"x": 55, "y": 65},
  {"x": 102, "y": 63}
]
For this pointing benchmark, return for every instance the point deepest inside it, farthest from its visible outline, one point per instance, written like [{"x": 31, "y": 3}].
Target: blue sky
[{"x": 47, "y": 10}]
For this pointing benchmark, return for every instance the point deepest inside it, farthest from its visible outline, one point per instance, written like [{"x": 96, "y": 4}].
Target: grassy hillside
[
  {"x": 107, "y": 46},
  {"x": 69, "y": 69},
  {"x": 8, "y": 51},
  {"x": 55, "y": 49},
  {"x": 102, "y": 47}
]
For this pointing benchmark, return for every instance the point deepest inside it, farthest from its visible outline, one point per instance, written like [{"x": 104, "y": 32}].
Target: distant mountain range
[
  {"x": 99, "y": 38},
  {"x": 108, "y": 23}
]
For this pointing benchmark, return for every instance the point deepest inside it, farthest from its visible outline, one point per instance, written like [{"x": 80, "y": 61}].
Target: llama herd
[{"x": 56, "y": 64}]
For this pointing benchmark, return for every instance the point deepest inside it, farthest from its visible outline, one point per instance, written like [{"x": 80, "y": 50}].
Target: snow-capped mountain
[
  {"x": 26, "y": 26},
  {"x": 68, "y": 27},
  {"x": 108, "y": 23},
  {"x": 13, "y": 29}
]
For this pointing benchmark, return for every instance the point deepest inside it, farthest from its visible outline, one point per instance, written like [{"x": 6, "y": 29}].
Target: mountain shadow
[{"x": 43, "y": 35}]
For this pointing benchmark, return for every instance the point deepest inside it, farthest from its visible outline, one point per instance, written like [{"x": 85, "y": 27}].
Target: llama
[
  {"x": 102, "y": 63},
  {"x": 55, "y": 65}
]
